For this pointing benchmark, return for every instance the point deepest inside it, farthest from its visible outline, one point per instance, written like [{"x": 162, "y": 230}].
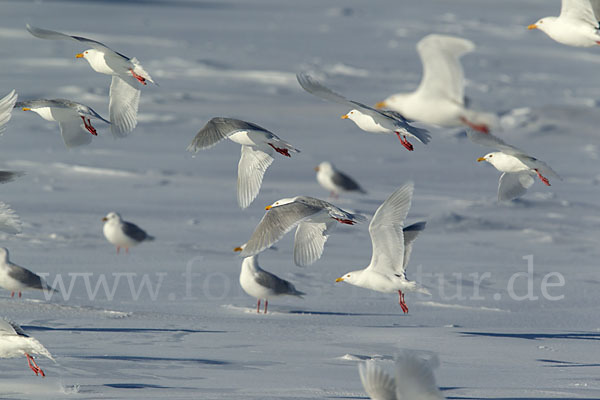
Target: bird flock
[{"x": 438, "y": 101}]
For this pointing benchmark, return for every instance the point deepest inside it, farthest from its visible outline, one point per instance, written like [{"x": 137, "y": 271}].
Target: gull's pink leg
[
  {"x": 88, "y": 125},
  {"x": 405, "y": 142},
  {"x": 12, "y": 294},
  {"x": 345, "y": 221},
  {"x": 542, "y": 178},
  {"x": 401, "y": 301},
  {"x": 138, "y": 77},
  {"x": 33, "y": 365},
  {"x": 483, "y": 128},
  {"x": 19, "y": 294},
  {"x": 266, "y": 304},
  {"x": 126, "y": 250},
  {"x": 258, "y": 306},
  {"x": 118, "y": 249},
  {"x": 284, "y": 152}
]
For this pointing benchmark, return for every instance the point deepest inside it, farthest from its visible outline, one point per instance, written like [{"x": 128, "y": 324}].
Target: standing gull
[
  {"x": 392, "y": 245},
  {"x": 315, "y": 220},
  {"x": 439, "y": 99},
  {"x": 414, "y": 379},
  {"x": 14, "y": 342},
  {"x": 262, "y": 284},
  {"x": 127, "y": 76},
  {"x": 577, "y": 24},
  {"x": 18, "y": 279},
  {"x": 366, "y": 118},
  {"x": 335, "y": 181},
  {"x": 7, "y": 103},
  {"x": 258, "y": 146},
  {"x": 122, "y": 233},
  {"x": 73, "y": 118},
  {"x": 518, "y": 168}
]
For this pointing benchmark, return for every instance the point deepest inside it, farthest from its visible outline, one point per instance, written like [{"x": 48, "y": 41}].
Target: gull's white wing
[
  {"x": 443, "y": 74},
  {"x": 309, "y": 241},
  {"x": 386, "y": 231},
  {"x": 6, "y": 106},
  {"x": 123, "y": 105},
  {"x": 581, "y": 10},
  {"x": 219, "y": 128},
  {"x": 48, "y": 34},
  {"x": 276, "y": 223},
  {"x": 9, "y": 220},
  {"x": 596, "y": 8},
  {"x": 378, "y": 384},
  {"x": 73, "y": 133},
  {"x": 251, "y": 169},
  {"x": 410, "y": 234},
  {"x": 513, "y": 185},
  {"x": 415, "y": 379},
  {"x": 489, "y": 140}
]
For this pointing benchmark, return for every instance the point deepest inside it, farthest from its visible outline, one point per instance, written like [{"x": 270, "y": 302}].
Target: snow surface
[{"x": 201, "y": 338}]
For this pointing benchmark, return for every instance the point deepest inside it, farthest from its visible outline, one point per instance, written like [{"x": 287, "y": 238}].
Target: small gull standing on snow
[
  {"x": 315, "y": 219},
  {"x": 17, "y": 279},
  {"x": 73, "y": 118},
  {"x": 439, "y": 99},
  {"x": 7, "y": 104},
  {"x": 335, "y": 181},
  {"x": 366, "y": 118},
  {"x": 122, "y": 233},
  {"x": 392, "y": 246},
  {"x": 127, "y": 76},
  {"x": 414, "y": 379},
  {"x": 258, "y": 145},
  {"x": 518, "y": 168},
  {"x": 262, "y": 284},
  {"x": 577, "y": 24},
  {"x": 14, "y": 342}
]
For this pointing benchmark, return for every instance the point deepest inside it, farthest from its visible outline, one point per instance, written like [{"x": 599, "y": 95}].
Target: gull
[
  {"x": 122, "y": 233},
  {"x": 14, "y": 342},
  {"x": 439, "y": 99},
  {"x": 518, "y": 168},
  {"x": 262, "y": 284},
  {"x": 335, "y": 181},
  {"x": 9, "y": 220},
  {"x": 258, "y": 145},
  {"x": 577, "y": 24},
  {"x": 7, "y": 104},
  {"x": 392, "y": 246},
  {"x": 17, "y": 279},
  {"x": 366, "y": 118},
  {"x": 127, "y": 77},
  {"x": 73, "y": 118},
  {"x": 314, "y": 218},
  {"x": 414, "y": 379}
]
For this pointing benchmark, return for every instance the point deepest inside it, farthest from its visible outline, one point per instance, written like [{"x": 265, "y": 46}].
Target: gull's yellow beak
[
  {"x": 339, "y": 279},
  {"x": 104, "y": 219},
  {"x": 268, "y": 207},
  {"x": 480, "y": 159},
  {"x": 345, "y": 116},
  {"x": 317, "y": 169},
  {"x": 532, "y": 26},
  {"x": 80, "y": 55},
  {"x": 26, "y": 109},
  {"x": 238, "y": 249},
  {"x": 381, "y": 104}
]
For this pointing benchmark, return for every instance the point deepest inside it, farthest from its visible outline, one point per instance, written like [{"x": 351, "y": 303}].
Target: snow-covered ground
[{"x": 195, "y": 333}]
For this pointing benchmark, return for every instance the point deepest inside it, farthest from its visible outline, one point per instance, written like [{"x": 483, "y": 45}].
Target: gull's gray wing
[
  {"x": 596, "y": 9},
  {"x": 344, "y": 181},
  {"x": 538, "y": 165},
  {"x": 276, "y": 284},
  {"x": 135, "y": 232},
  {"x": 219, "y": 128},
  {"x": 7, "y": 176},
  {"x": 74, "y": 134},
  {"x": 512, "y": 185},
  {"x": 123, "y": 104},
  {"x": 251, "y": 169},
  {"x": 415, "y": 379},
  {"x": 410, "y": 234},
  {"x": 378, "y": 384},
  {"x": 386, "y": 232},
  {"x": 489, "y": 140},
  {"x": 7, "y": 103},
  {"x": 88, "y": 111},
  {"x": 11, "y": 327},
  {"x": 9, "y": 220},
  {"x": 276, "y": 223},
  {"x": 309, "y": 241},
  {"x": 25, "y": 276},
  {"x": 48, "y": 34}
]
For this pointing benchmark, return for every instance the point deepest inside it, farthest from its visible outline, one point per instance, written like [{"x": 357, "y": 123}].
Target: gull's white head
[
  {"x": 325, "y": 167},
  {"x": 350, "y": 277},
  {"x": 491, "y": 157},
  {"x": 112, "y": 216},
  {"x": 543, "y": 24},
  {"x": 3, "y": 254},
  {"x": 352, "y": 115},
  {"x": 280, "y": 202},
  {"x": 91, "y": 55},
  {"x": 394, "y": 102}
]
